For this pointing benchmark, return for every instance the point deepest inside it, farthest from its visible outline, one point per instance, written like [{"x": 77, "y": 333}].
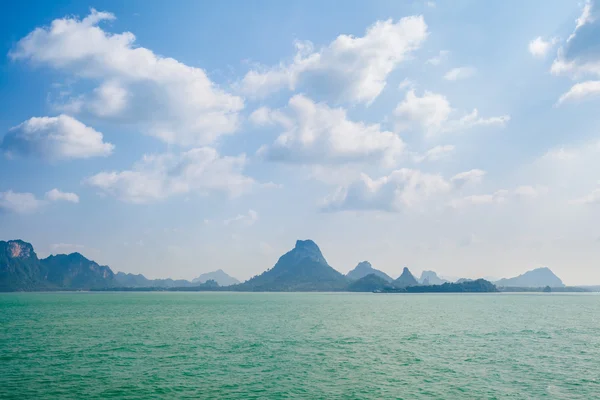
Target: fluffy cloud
[
  {"x": 539, "y": 47},
  {"x": 156, "y": 177},
  {"x": 403, "y": 188},
  {"x": 314, "y": 133},
  {"x": 580, "y": 55},
  {"x": 57, "y": 195},
  {"x": 459, "y": 73},
  {"x": 431, "y": 112},
  {"x": 350, "y": 68},
  {"x": 243, "y": 219},
  {"x": 581, "y": 91},
  {"x": 160, "y": 96},
  {"x": 20, "y": 203},
  {"x": 55, "y": 138}
]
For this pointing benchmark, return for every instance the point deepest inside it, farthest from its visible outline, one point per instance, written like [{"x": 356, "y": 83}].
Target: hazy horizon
[{"x": 177, "y": 139}]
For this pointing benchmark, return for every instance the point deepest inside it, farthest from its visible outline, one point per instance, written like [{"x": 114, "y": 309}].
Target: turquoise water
[{"x": 297, "y": 345}]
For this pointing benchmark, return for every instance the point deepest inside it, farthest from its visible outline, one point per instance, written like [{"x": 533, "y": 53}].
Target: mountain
[
  {"x": 219, "y": 276},
  {"x": 463, "y": 280},
  {"x": 20, "y": 268},
  {"x": 540, "y": 277},
  {"x": 431, "y": 278},
  {"x": 74, "y": 271},
  {"x": 369, "y": 283},
  {"x": 301, "y": 269},
  {"x": 140, "y": 281},
  {"x": 406, "y": 279},
  {"x": 363, "y": 269},
  {"x": 132, "y": 280}
]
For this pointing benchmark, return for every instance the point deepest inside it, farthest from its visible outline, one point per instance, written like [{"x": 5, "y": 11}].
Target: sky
[{"x": 177, "y": 138}]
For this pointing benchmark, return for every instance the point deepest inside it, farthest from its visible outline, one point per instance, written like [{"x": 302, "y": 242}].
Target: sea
[{"x": 166, "y": 345}]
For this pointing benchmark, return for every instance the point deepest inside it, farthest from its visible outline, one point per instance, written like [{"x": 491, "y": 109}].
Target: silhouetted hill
[
  {"x": 406, "y": 279},
  {"x": 74, "y": 271},
  {"x": 219, "y": 276},
  {"x": 539, "y": 277},
  {"x": 431, "y": 278},
  {"x": 463, "y": 280},
  {"x": 363, "y": 269},
  {"x": 369, "y": 283},
  {"x": 301, "y": 269},
  {"x": 140, "y": 281}
]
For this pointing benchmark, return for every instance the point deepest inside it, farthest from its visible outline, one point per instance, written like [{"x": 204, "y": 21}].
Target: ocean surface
[{"x": 299, "y": 345}]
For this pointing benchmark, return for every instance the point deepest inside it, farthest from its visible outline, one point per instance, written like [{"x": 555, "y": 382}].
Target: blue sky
[{"x": 173, "y": 139}]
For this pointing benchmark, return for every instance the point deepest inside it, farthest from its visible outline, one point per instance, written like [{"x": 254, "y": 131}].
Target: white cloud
[
  {"x": 156, "y": 177},
  {"x": 530, "y": 192},
  {"x": 437, "y": 60},
  {"x": 403, "y": 188},
  {"x": 57, "y": 195},
  {"x": 20, "y": 203},
  {"x": 499, "y": 197},
  {"x": 468, "y": 177},
  {"x": 473, "y": 119},
  {"x": 350, "y": 68},
  {"x": 459, "y": 73},
  {"x": 586, "y": 15},
  {"x": 407, "y": 84},
  {"x": 431, "y": 112},
  {"x": 70, "y": 246},
  {"x": 55, "y": 138},
  {"x": 158, "y": 95},
  {"x": 314, "y": 133},
  {"x": 539, "y": 47},
  {"x": 434, "y": 153},
  {"x": 581, "y": 91},
  {"x": 592, "y": 198},
  {"x": 244, "y": 219},
  {"x": 579, "y": 55}
]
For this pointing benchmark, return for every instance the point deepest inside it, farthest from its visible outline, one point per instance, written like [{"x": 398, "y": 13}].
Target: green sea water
[{"x": 299, "y": 345}]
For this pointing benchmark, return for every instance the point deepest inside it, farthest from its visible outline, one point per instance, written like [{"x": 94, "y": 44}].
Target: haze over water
[{"x": 282, "y": 345}]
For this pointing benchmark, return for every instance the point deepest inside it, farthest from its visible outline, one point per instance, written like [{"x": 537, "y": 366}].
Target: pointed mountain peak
[
  {"x": 364, "y": 264},
  {"x": 406, "y": 279},
  {"x": 306, "y": 245},
  {"x": 308, "y": 248},
  {"x": 365, "y": 268},
  {"x": 431, "y": 278}
]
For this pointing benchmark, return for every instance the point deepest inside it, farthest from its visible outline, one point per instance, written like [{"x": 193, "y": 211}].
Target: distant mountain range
[
  {"x": 304, "y": 268},
  {"x": 540, "y": 277},
  {"x": 219, "y": 276},
  {"x": 363, "y": 269},
  {"x": 22, "y": 270},
  {"x": 140, "y": 281},
  {"x": 431, "y": 278}
]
